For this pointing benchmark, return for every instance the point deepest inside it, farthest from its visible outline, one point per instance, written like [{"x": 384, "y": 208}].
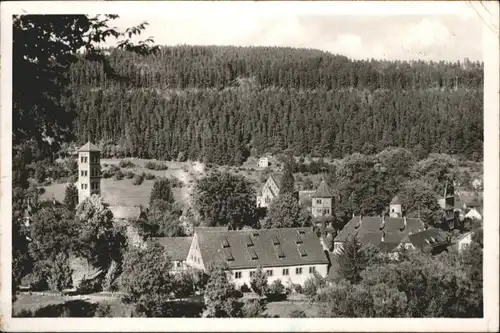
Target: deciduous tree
[
  {"x": 146, "y": 280},
  {"x": 258, "y": 282},
  {"x": 222, "y": 199},
  {"x": 219, "y": 296},
  {"x": 285, "y": 212}
]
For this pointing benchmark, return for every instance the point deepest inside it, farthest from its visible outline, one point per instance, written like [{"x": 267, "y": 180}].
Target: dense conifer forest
[{"x": 221, "y": 104}]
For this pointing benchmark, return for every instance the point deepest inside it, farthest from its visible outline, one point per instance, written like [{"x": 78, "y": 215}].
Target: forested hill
[{"x": 219, "y": 104}]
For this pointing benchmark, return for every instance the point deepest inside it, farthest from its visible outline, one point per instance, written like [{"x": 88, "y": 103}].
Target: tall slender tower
[
  {"x": 322, "y": 201},
  {"x": 89, "y": 171}
]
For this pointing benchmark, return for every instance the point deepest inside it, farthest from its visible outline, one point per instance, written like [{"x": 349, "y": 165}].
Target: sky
[{"x": 450, "y": 37}]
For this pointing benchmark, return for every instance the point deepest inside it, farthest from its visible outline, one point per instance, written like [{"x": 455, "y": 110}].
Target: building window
[
  {"x": 269, "y": 272},
  {"x": 237, "y": 275},
  {"x": 318, "y": 201},
  {"x": 83, "y": 159},
  {"x": 298, "y": 270},
  {"x": 312, "y": 269},
  {"x": 252, "y": 273},
  {"x": 285, "y": 271},
  {"x": 267, "y": 200}
]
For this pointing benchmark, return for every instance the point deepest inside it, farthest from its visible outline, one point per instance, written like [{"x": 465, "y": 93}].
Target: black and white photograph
[{"x": 320, "y": 162}]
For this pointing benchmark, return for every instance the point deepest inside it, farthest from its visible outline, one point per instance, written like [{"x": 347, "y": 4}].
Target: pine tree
[
  {"x": 71, "y": 197},
  {"x": 352, "y": 260},
  {"x": 287, "y": 184}
]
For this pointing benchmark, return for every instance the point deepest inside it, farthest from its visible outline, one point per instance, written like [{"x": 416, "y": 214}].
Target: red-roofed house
[{"x": 291, "y": 255}]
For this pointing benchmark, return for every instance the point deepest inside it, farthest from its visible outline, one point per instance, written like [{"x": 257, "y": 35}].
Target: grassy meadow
[{"x": 124, "y": 192}]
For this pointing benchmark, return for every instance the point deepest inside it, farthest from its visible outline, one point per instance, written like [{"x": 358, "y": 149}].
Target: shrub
[
  {"x": 105, "y": 165},
  {"x": 175, "y": 182},
  {"x": 313, "y": 284},
  {"x": 138, "y": 180},
  {"x": 244, "y": 288},
  {"x": 88, "y": 286},
  {"x": 277, "y": 291},
  {"x": 149, "y": 176},
  {"x": 103, "y": 310},
  {"x": 37, "y": 280},
  {"x": 118, "y": 175},
  {"x": 107, "y": 174},
  {"x": 129, "y": 174},
  {"x": 113, "y": 168},
  {"x": 298, "y": 288},
  {"x": 126, "y": 164},
  {"x": 253, "y": 308},
  {"x": 297, "y": 313},
  {"x": 156, "y": 166},
  {"x": 184, "y": 286}
]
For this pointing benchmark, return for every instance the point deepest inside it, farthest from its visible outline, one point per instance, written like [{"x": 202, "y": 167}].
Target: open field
[
  {"x": 115, "y": 192},
  {"x": 124, "y": 192},
  {"x": 282, "y": 309},
  {"x": 41, "y": 302}
]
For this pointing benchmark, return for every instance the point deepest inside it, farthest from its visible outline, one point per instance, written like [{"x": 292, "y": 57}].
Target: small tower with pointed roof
[
  {"x": 322, "y": 201},
  {"x": 89, "y": 171},
  {"x": 395, "y": 207}
]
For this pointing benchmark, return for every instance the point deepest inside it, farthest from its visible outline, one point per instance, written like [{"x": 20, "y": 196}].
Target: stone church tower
[{"x": 89, "y": 171}]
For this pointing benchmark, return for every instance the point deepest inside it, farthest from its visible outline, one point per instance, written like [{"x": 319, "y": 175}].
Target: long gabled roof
[
  {"x": 323, "y": 191},
  {"x": 264, "y": 247},
  {"x": 431, "y": 237},
  {"x": 370, "y": 230},
  {"x": 89, "y": 146}
]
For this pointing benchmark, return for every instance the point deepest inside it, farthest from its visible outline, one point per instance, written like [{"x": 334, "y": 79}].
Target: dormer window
[
  {"x": 319, "y": 201},
  {"x": 225, "y": 242},
  {"x": 253, "y": 255},
  {"x": 279, "y": 252},
  {"x": 228, "y": 255}
]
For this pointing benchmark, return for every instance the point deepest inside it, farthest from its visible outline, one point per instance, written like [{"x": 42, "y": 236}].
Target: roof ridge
[{"x": 323, "y": 191}]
